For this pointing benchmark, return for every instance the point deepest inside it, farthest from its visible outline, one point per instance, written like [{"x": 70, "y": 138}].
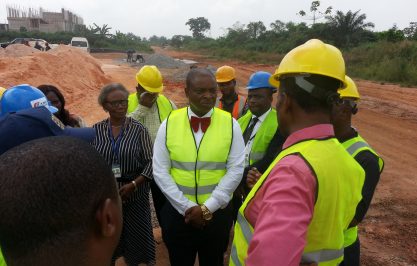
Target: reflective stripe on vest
[
  {"x": 322, "y": 255},
  {"x": 263, "y": 136},
  {"x": 197, "y": 172},
  {"x": 199, "y": 165},
  {"x": 354, "y": 146},
  {"x": 201, "y": 190},
  {"x": 332, "y": 211},
  {"x": 358, "y": 144}
]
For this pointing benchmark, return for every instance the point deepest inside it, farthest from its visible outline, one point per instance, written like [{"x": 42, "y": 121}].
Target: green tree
[
  {"x": 348, "y": 28},
  {"x": 198, "y": 26},
  {"x": 411, "y": 31},
  {"x": 178, "y": 40},
  {"x": 392, "y": 35},
  {"x": 315, "y": 13},
  {"x": 236, "y": 35},
  {"x": 103, "y": 30},
  {"x": 278, "y": 26},
  {"x": 255, "y": 29}
]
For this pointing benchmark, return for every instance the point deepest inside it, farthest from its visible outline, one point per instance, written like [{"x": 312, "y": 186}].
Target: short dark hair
[
  {"x": 321, "y": 100},
  {"x": 63, "y": 115},
  {"x": 107, "y": 89},
  {"x": 50, "y": 190},
  {"x": 195, "y": 72}
]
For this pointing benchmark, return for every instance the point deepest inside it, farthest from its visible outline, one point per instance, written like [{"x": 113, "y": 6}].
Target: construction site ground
[{"x": 387, "y": 119}]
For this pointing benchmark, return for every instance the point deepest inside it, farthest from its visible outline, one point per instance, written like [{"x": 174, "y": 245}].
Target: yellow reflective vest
[
  {"x": 353, "y": 147},
  {"x": 162, "y": 102},
  {"x": 337, "y": 197},
  {"x": 197, "y": 171},
  {"x": 263, "y": 136},
  {"x": 2, "y": 261}
]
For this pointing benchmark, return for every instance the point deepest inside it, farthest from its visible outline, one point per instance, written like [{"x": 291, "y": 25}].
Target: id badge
[
  {"x": 246, "y": 160},
  {"x": 116, "y": 170}
]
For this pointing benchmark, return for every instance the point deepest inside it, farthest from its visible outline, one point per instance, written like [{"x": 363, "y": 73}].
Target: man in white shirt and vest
[
  {"x": 259, "y": 126},
  {"x": 198, "y": 163}
]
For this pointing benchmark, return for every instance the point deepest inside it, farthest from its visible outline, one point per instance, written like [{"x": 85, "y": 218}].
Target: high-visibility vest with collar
[
  {"x": 337, "y": 198},
  {"x": 237, "y": 106},
  {"x": 354, "y": 146},
  {"x": 197, "y": 171},
  {"x": 263, "y": 136},
  {"x": 162, "y": 102}
]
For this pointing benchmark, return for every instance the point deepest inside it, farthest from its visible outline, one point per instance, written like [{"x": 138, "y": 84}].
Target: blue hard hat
[
  {"x": 260, "y": 80},
  {"x": 22, "y": 97}
]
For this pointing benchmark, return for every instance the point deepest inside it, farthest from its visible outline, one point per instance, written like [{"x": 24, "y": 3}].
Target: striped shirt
[{"x": 135, "y": 152}]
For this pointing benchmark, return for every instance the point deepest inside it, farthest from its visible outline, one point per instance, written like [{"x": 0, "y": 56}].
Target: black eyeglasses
[{"x": 122, "y": 103}]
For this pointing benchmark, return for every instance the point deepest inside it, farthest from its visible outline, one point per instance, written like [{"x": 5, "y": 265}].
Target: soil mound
[
  {"x": 18, "y": 50},
  {"x": 73, "y": 71}
]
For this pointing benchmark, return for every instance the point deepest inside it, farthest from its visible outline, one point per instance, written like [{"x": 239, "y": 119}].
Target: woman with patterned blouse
[{"x": 127, "y": 147}]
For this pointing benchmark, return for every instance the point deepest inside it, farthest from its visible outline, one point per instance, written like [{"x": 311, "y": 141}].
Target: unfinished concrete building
[{"x": 40, "y": 20}]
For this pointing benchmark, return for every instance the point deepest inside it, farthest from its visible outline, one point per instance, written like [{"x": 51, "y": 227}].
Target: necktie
[
  {"x": 248, "y": 132},
  {"x": 197, "y": 121}
]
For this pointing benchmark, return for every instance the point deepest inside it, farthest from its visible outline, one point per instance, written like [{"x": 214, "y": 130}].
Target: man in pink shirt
[{"x": 297, "y": 211}]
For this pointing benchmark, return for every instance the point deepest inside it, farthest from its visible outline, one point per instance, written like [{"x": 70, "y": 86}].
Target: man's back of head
[{"x": 59, "y": 204}]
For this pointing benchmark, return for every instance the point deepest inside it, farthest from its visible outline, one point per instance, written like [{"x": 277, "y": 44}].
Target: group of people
[{"x": 291, "y": 182}]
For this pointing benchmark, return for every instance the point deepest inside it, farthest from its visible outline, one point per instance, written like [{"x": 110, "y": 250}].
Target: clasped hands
[{"x": 194, "y": 216}]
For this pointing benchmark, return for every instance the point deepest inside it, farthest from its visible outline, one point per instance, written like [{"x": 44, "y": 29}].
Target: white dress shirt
[
  {"x": 222, "y": 194},
  {"x": 248, "y": 146}
]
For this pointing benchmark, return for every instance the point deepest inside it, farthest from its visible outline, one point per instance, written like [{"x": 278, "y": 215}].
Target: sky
[{"x": 167, "y": 18}]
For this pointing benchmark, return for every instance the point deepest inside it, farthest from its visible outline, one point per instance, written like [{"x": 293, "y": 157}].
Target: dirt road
[{"x": 387, "y": 119}]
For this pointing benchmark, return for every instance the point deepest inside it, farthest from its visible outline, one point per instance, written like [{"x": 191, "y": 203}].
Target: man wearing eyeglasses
[
  {"x": 150, "y": 107},
  {"x": 370, "y": 161}
]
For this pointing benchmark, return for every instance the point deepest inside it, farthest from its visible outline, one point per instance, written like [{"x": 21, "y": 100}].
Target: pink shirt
[{"x": 283, "y": 207}]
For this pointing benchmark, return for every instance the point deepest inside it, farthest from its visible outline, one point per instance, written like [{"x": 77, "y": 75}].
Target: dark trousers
[
  {"x": 158, "y": 198},
  {"x": 184, "y": 241},
  {"x": 352, "y": 254}
]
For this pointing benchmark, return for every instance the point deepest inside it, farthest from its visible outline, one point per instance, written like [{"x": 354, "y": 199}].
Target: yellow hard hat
[
  {"x": 312, "y": 57},
  {"x": 150, "y": 79},
  {"x": 225, "y": 74},
  {"x": 351, "y": 91},
  {"x": 2, "y": 90}
]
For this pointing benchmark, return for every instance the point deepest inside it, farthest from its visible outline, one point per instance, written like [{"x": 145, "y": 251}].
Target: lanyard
[{"x": 115, "y": 144}]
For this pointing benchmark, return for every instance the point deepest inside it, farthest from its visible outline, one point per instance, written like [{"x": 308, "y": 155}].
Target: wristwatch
[{"x": 207, "y": 215}]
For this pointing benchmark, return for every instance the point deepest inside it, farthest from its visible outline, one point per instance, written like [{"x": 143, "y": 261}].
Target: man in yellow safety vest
[
  {"x": 198, "y": 163},
  {"x": 150, "y": 107},
  {"x": 364, "y": 154},
  {"x": 300, "y": 207}
]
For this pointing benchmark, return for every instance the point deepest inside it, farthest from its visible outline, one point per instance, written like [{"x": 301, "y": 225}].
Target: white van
[{"x": 80, "y": 42}]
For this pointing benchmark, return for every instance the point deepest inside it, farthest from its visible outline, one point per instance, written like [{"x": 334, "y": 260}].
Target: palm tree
[
  {"x": 348, "y": 27},
  {"x": 103, "y": 31}
]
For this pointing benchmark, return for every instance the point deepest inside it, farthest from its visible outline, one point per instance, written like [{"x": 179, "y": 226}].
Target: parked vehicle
[
  {"x": 29, "y": 41},
  {"x": 80, "y": 42}
]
